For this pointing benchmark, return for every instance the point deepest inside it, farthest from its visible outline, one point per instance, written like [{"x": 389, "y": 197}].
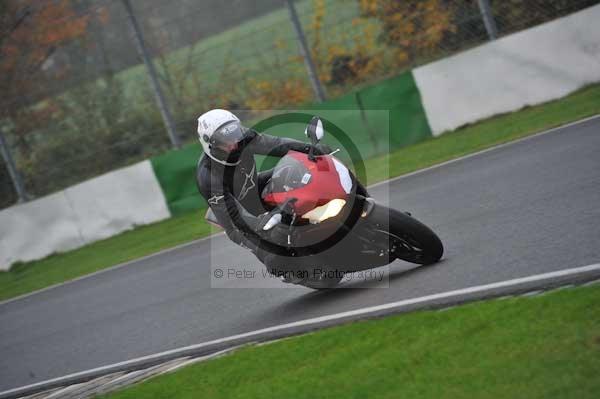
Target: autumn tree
[
  {"x": 411, "y": 27},
  {"x": 30, "y": 33}
]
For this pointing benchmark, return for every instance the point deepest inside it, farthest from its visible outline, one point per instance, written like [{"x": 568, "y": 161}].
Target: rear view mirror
[{"x": 314, "y": 130}]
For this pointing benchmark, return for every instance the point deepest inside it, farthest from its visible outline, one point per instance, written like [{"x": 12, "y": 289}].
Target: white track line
[
  {"x": 439, "y": 165},
  {"x": 393, "y": 305},
  {"x": 336, "y": 316}
]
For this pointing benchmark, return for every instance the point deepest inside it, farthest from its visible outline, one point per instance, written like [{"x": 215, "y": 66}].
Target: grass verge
[
  {"x": 30, "y": 276},
  {"x": 527, "y": 347}
]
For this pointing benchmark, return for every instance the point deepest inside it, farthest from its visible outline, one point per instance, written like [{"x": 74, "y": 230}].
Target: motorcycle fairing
[{"x": 318, "y": 189}]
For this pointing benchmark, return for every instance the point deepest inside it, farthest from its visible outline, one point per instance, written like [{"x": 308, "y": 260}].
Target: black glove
[{"x": 321, "y": 149}]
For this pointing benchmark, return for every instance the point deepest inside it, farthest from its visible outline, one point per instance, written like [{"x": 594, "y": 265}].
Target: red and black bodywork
[
  {"x": 310, "y": 183},
  {"x": 324, "y": 218}
]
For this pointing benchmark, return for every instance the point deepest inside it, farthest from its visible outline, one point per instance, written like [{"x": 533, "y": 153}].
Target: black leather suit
[{"x": 233, "y": 192}]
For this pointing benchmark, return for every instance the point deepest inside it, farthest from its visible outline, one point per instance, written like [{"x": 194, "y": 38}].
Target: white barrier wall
[
  {"x": 118, "y": 201},
  {"x": 36, "y": 229},
  {"x": 95, "y": 209},
  {"x": 526, "y": 68}
]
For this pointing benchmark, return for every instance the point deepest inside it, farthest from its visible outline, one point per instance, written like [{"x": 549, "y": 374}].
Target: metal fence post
[
  {"x": 15, "y": 176},
  {"x": 488, "y": 18},
  {"x": 158, "y": 94},
  {"x": 305, "y": 52}
]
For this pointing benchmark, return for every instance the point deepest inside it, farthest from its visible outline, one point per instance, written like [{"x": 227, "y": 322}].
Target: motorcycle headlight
[{"x": 329, "y": 210}]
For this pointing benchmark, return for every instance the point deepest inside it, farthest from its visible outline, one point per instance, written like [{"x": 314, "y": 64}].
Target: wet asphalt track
[{"x": 524, "y": 209}]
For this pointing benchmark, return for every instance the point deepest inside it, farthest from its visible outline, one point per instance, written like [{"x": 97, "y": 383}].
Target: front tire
[{"x": 409, "y": 239}]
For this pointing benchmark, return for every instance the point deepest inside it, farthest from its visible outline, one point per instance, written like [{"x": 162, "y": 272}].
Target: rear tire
[{"x": 409, "y": 239}]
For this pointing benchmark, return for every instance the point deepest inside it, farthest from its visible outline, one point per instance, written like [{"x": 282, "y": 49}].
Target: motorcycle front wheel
[{"x": 409, "y": 239}]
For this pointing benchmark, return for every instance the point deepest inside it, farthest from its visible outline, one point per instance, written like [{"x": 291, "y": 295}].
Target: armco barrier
[{"x": 529, "y": 67}]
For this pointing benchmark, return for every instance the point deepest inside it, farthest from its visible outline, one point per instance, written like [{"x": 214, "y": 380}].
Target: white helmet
[{"x": 222, "y": 136}]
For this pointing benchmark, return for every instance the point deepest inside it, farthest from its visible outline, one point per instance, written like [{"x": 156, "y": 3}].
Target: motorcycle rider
[{"x": 227, "y": 177}]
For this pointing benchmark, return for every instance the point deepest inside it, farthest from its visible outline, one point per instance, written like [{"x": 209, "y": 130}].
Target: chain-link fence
[{"x": 78, "y": 100}]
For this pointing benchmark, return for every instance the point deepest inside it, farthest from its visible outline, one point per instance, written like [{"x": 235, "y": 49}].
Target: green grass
[
  {"x": 536, "y": 347},
  {"x": 145, "y": 240}
]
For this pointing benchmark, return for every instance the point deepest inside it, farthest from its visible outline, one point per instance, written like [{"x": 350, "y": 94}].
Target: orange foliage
[
  {"x": 356, "y": 59},
  {"x": 268, "y": 94},
  {"x": 30, "y": 31},
  {"x": 410, "y": 26},
  {"x": 41, "y": 29}
]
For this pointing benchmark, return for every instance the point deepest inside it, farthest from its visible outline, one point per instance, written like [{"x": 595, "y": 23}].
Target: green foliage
[{"x": 92, "y": 133}]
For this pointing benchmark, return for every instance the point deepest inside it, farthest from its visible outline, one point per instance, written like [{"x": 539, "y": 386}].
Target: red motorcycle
[{"x": 322, "y": 219}]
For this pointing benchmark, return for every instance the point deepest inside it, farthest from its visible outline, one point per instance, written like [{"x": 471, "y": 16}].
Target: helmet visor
[{"x": 227, "y": 141}]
